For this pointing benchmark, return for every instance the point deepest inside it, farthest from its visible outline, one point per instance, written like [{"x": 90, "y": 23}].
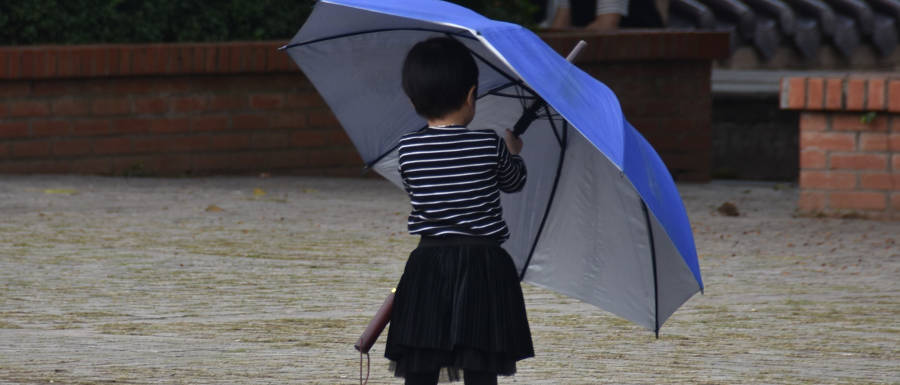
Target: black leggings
[{"x": 471, "y": 378}]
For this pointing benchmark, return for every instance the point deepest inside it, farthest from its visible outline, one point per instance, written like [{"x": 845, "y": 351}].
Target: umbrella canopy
[{"x": 600, "y": 218}]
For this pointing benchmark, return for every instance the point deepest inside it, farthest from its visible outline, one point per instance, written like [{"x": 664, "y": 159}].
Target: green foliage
[{"x": 140, "y": 21}]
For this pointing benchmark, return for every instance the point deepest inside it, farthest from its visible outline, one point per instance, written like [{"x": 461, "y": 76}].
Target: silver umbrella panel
[{"x": 579, "y": 227}]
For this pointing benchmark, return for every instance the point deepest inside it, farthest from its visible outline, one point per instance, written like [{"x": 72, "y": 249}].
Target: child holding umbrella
[{"x": 459, "y": 305}]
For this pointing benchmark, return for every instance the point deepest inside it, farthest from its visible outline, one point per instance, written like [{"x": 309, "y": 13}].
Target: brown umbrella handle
[{"x": 376, "y": 326}]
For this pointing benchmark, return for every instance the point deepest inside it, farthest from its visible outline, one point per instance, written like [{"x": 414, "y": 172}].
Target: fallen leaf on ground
[
  {"x": 728, "y": 209},
  {"x": 64, "y": 191},
  {"x": 214, "y": 208},
  {"x": 258, "y": 192}
]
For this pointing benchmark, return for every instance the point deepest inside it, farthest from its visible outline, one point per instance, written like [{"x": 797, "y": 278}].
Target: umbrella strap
[{"x": 368, "y": 367}]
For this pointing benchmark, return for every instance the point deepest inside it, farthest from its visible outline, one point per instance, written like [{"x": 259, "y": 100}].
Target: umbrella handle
[{"x": 530, "y": 113}]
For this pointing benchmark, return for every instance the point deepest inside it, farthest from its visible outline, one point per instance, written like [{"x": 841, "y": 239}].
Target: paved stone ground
[{"x": 211, "y": 281}]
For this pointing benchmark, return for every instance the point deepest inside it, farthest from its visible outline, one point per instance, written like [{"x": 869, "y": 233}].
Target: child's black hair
[{"x": 437, "y": 76}]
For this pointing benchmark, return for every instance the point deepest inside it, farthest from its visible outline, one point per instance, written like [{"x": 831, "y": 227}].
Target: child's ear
[{"x": 471, "y": 97}]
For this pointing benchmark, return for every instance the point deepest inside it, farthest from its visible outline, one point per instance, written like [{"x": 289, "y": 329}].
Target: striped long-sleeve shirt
[{"x": 454, "y": 176}]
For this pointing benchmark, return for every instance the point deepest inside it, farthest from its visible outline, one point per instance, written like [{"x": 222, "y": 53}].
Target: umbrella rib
[
  {"x": 553, "y": 126},
  {"x": 562, "y": 156},
  {"x": 349, "y": 34},
  {"x": 652, "y": 260}
]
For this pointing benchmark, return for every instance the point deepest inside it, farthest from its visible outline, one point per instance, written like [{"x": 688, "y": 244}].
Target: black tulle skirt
[{"x": 458, "y": 306}]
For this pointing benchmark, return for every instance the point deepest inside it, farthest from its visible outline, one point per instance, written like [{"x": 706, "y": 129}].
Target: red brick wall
[
  {"x": 181, "y": 109},
  {"x": 193, "y": 109},
  {"x": 849, "y": 143}
]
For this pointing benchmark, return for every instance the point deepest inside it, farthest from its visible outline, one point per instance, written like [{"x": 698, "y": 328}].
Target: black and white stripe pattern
[{"x": 454, "y": 177}]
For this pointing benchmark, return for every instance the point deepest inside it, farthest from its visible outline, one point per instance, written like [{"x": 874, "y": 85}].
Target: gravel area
[{"x": 244, "y": 280}]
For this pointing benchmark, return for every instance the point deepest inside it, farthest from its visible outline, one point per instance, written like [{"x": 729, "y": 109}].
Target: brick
[
  {"x": 102, "y": 166},
  {"x": 91, "y": 127},
  {"x": 4, "y": 151},
  {"x": 853, "y": 161},
  {"x": 857, "y": 200},
  {"x": 137, "y": 85},
  {"x": 236, "y": 56},
  {"x": 227, "y": 102},
  {"x": 151, "y": 105},
  {"x": 153, "y": 144},
  {"x": 329, "y": 158},
  {"x": 827, "y": 180},
  {"x": 67, "y": 65},
  {"x": 209, "y": 123},
  {"x": 271, "y": 140},
  {"x": 310, "y": 138},
  {"x": 41, "y": 128},
  {"x": 70, "y": 107},
  {"x": 811, "y": 201},
  {"x": 895, "y": 162},
  {"x": 854, "y": 122},
  {"x": 114, "y": 145},
  {"x": 223, "y": 56},
  {"x": 175, "y": 164},
  {"x": 834, "y": 94},
  {"x": 894, "y": 143},
  {"x": 250, "y": 122},
  {"x": 875, "y": 97},
  {"x": 895, "y": 201},
  {"x": 30, "y": 149},
  {"x": 291, "y": 120},
  {"x": 182, "y": 60},
  {"x": 812, "y": 159},
  {"x": 28, "y": 108},
  {"x": 14, "y": 68},
  {"x": 876, "y": 181},
  {"x": 167, "y": 126},
  {"x": 198, "y": 57},
  {"x": 13, "y": 130},
  {"x": 828, "y": 141},
  {"x": 188, "y": 143},
  {"x": 72, "y": 147},
  {"x": 211, "y": 59},
  {"x": 266, "y": 101},
  {"x": 815, "y": 93},
  {"x": 132, "y": 126},
  {"x": 230, "y": 142},
  {"x": 322, "y": 119},
  {"x": 303, "y": 100},
  {"x": 107, "y": 107},
  {"x": 893, "y": 98},
  {"x": 813, "y": 121},
  {"x": 15, "y": 88},
  {"x": 869, "y": 141},
  {"x": 5, "y": 54},
  {"x": 856, "y": 94},
  {"x": 38, "y": 64},
  {"x": 99, "y": 61},
  {"x": 189, "y": 104}
]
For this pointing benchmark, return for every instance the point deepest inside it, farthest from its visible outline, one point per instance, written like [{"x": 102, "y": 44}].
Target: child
[{"x": 459, "y": 303}]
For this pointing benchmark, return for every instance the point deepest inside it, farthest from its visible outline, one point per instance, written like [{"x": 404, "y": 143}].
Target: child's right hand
[{"x": 513, "y": 143}]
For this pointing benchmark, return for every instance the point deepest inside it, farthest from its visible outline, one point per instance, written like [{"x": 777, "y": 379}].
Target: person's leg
[
  {"x": 479, "y": 378},
  {"x": 608, "y": 14},
  {"x": 605, "y": 22},
  {"x": 421, "y": 378}
]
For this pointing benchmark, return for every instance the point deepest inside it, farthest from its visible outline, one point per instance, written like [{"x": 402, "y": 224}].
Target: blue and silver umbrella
[{"x": 600, "y": 218}]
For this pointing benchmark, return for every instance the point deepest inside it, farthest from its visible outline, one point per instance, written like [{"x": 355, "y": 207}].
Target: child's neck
[{"x": 456, "y": 118}]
